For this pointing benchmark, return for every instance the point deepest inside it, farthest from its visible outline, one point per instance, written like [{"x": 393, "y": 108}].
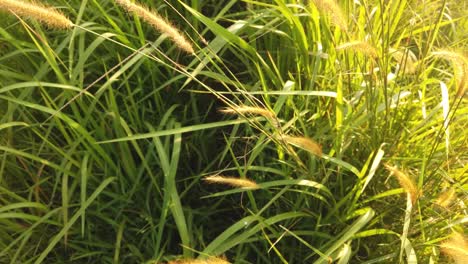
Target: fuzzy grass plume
[
  {"x": 46, "y": 15},
  {"x": 332, "y": 9},
  {"x": 243, "y": 110},
  {"x": 232, "y": 181},
  {"x": 159, "y": 23},
  {"x": 446, "y": 198},
  {"x": 248, "y": 110},
  {"x": 407, "y": 59},
  {"x": 456, "y": 248},
  {"x": 460, "y": 63},
  {"x": 359, "y": 46},
  {"x": 211, "y": 260},
  {"x": 405, "y": 182},
  {"x": 304, "y": 143}
]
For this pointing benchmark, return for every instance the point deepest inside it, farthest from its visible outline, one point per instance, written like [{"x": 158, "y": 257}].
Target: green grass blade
[
  {"x": 346, "y": 235},
  {"x": 181, "y": 130},
  {"x": 72, "y": 220}
]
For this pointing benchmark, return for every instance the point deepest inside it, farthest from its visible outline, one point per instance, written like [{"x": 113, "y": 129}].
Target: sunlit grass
[{"x": 340, "y": 124}]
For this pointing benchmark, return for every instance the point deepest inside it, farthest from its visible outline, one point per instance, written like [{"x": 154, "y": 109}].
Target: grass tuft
[{"x": 118, "y": 176}]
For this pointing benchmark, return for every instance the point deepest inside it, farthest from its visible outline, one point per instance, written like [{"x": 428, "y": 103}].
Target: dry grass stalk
[
  {"x": 159, "y": 23},
  {"x": 304, "y": 143},
  {"x": 331, "y": 8},
  {"x": 446, "y": 198},
  {"x": 211, "y": 260},
  {"x": 460, "y": 63},
  {"x": 406, "y": 182},
  {"x": 232, "y": 181},
  {"x": 359, "y": 46},
  {"x": 457, "y": 248},
  {"x": 37, "y": 11}
]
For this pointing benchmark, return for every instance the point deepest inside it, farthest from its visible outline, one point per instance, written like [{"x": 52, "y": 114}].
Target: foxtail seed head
[
  {"x": 456, "y": 248},
  {"x": 446, "y": 198},
  {"x": 331, "y": 8},
  {"x": 460, "y": 63},
  {"x": 232, "y": 181},
  {"x": 210, "y": 260},
  {"x": 359, "y": 46},
  {"x": 407, "y": 59},
  {"x": 405, "y": 182},
  {"x": 248, "y": 110},
  {"x": 304, "y": 143},
  {"x": 243, "y": 110},
  {"x": 159, "y": 23},
  {"x": 37, "y": 11}
]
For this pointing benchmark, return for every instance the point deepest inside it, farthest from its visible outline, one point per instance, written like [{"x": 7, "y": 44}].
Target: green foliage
[{"x": 108, "y": 129}]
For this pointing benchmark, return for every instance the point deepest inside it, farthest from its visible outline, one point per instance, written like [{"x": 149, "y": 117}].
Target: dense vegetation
[{"x": 278, "y": 132}]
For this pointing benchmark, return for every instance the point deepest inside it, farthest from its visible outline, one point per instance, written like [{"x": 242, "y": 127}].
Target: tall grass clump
[{"x": 300, "y": 132}]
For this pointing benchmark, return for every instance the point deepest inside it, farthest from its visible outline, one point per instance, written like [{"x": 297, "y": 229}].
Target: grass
[{"x": 341, "y": 126}]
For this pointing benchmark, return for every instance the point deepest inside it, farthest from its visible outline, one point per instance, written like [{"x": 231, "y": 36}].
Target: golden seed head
[
  {"x": 456, "y": 247},
  {"x": 304, "y": 143},
  {"x": 446, "y": 198},
  {"x": 331, "y": 8},
  {"x": 249, "y": 110},
  {"x": 232, "y": 181},
  {"x": 405, "y": 182},
  {"x": 460, "y": 63},
  {"x": 159, "y": 23},
  {"x": 210, "y": 260},
  {"x": 407, "y": 59},
  {"x": 37, "y": 11},
  {"x": 359, "y": 46}
]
